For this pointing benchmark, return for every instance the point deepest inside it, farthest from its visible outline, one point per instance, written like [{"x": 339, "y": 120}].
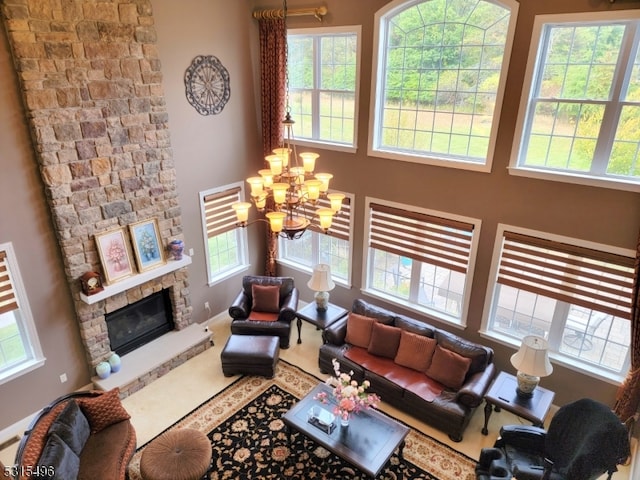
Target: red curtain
[
  {"x": 628, "y": 398},
  {"x": 273, "y": 44}
]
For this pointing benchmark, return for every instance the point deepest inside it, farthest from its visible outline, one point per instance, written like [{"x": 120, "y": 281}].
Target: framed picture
[
  {"x": 113, "y": 248},
  {"x": 147, "y": 245}
]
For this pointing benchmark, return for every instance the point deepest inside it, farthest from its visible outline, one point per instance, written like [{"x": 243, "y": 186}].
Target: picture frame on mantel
[
  {"x": 115, "y": 255},
  {"x": 147, "y": 245}
]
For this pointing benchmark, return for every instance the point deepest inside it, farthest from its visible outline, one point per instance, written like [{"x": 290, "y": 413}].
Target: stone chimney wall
[{"x": 92, "y": 87}]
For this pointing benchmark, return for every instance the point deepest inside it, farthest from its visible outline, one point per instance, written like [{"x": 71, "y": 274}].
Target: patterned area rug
[{"x": 250, "y": 441}]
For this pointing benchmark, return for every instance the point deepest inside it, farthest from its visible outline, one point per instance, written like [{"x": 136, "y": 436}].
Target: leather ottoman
[
  {"x": 250, "y": 355},
  {"x": 183, "y": 454}
]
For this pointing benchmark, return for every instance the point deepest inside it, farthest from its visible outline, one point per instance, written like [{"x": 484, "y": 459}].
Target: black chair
[
  {"x": 585, "y": 440},
  {"x": 272, "y": 319}
]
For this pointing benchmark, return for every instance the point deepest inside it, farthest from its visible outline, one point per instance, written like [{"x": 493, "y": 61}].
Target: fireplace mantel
[{"x": 135, "y": 280}]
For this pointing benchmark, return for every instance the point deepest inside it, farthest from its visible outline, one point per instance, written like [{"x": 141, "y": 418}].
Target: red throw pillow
[
  {"x": 359, "y": 330},
  {"x": 103, "y": 410},
  {"x": 415, "y": 351},
  {"x": 448, "y": 368},
  {"x": 266, "y": 298},
  {"x": 384, "y": 340}
]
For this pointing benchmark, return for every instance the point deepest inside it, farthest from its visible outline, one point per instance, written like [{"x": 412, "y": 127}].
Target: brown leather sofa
[
  {"x": 84, "y": 435},
  {"x": 252, "y": 317},
  {"x": 463, "y": 370}
]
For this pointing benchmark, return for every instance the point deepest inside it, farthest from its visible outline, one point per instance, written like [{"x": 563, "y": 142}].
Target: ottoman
[
  {"x": 250, "y": 355},
  {"x": 183, "y": 454}
]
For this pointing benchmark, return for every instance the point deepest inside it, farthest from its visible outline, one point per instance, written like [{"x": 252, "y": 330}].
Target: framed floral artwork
[
  {"x": 113, "y": 248},
  {"x": 147, "y": 245}
]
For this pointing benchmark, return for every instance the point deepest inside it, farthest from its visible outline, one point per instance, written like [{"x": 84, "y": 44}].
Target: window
[
  {"x": 421, "y": 260},
  {"x": 580, "y": 114},
  {"x": 576, "y": 295},
  {"x": 323, "y": 66},
  {"x": 20, "y": 350},
  {"x": 225, "y": 244},
  {"x": 439, "y": 80},
  {"x": 316, "y": 247}
]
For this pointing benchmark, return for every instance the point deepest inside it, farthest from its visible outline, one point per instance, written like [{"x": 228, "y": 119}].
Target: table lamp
[
  {"x": 531, "y": 362},
  {"x": 321, "y": 283}
]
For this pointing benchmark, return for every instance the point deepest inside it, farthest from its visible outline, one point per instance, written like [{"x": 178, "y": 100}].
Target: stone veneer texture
[{"x": 91, "y": 83}]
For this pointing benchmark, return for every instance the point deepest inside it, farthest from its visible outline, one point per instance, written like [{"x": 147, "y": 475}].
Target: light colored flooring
[{"x": 171, "y": 397}]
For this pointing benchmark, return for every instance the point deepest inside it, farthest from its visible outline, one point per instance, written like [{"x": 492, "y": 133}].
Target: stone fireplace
[{"x": 92, "y": 88}]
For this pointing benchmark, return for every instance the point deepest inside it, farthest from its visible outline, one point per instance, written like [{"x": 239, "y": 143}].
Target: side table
[
  {"x": 502, "y": 394},
  {"x": 309, "y": 313}
]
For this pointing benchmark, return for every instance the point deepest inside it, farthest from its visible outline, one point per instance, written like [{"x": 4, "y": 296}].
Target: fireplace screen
[{"x": 139, "y": 323}]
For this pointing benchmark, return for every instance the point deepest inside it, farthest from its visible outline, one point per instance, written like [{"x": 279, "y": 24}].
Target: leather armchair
[
  {"x": 585, "y": 440},
  {"x": 245, "y": 321}
]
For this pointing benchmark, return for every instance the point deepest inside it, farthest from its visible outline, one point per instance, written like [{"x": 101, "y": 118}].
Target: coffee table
[{"x": 367, "y": 443}]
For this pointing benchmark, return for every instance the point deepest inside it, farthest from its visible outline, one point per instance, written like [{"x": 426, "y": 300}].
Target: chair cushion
[
  {"x": 448, "y": 367},
  {"x": 415, "y": 351},
  {"x": 104, "y": 410},
  {"x": 384, "y": 340},
  {"x": 359, "y": 330},
  {"x": 266, "y": 298},
  {"x": 262, "y": 316},
  {"x": 72, "y": 427}
]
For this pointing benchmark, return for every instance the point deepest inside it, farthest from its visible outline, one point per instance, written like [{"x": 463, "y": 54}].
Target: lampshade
[
  {"x": 533, "y": 358},
  {"x": 321, "y": 279}
]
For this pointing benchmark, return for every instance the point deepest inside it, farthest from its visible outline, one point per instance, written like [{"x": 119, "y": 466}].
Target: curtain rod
[{"x": 318, "y": 12}]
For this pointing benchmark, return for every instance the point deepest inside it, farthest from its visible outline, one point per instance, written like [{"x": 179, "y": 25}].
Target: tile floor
[{"x": 172, "y": 396}]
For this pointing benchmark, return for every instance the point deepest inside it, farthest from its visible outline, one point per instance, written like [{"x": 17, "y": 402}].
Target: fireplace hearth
[{"x": 139, "y": 323}]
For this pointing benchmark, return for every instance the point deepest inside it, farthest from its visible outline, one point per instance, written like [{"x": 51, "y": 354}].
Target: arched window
[{"x": 441, "y": 67}]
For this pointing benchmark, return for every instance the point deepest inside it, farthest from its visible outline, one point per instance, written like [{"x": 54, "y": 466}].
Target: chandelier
[{"x": 287, "y": 192}]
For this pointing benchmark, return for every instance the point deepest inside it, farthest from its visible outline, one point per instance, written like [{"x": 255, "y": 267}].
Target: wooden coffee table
[{"x": 367, "y": 443}]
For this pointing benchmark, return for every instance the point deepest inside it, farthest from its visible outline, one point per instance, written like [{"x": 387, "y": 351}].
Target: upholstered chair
[
  {"x": 585, "y": 440},
  {"x": 265, "y": 306}
]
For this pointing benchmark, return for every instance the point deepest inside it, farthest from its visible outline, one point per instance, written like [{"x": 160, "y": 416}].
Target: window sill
[
  {"x": 21, "y": 369},
  {"x": 227, "y": 274},
  {"x": 305, "y": 269},
  {"x": 432, "y": 160},
  {"x": 338, "y": 147},
  {"x": 575, "y": 178}
]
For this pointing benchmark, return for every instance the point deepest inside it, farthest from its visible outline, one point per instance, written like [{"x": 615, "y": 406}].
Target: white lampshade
[
  {"x": 276, "y": 221},
  {"x": 324, "y": 178},
  {"x": 533, "y": 357},
  {"x": 336, "y": 201},
  {"x": 309, "y": 161},
  {"x": 320, "y": 280},
  {"x": 242, "y": 210},
  {"x": 532, "y": 362}
]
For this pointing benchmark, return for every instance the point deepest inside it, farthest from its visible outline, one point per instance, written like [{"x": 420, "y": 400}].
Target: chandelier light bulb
[
  {"x": 275, "y": 164},
  {"x": 276, "y": 221},
  {"x": 242, "y": 211},
  {"x": 336, "y": 201},
  {"x": 313, "y": 189},
  {"x": 280, "y": 192},
  {"x": 326, "y": 217},
  {"x": 324, "y": 178},
  {"x": 309, "y": 161},
  {"x": 256, "y": 186}
]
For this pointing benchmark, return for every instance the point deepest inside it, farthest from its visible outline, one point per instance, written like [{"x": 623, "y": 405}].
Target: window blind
[
  {"x": 8, "y": 300},
  {"x": 426, "y": 238},
  {"x": 341, "y": 224},
  {"x": 219, "y": 216},
  {"x": 581, "y": 276}
]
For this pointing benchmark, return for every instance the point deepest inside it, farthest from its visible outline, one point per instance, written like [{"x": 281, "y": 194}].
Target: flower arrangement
[{"x": 350, "y": 397}]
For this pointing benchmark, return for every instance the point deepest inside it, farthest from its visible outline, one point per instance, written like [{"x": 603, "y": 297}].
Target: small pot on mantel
[{"x": 103, "y": 370}]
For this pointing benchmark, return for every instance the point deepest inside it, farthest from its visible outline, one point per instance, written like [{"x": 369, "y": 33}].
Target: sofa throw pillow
[
  {"x": 104, "y": 410},
  {"x": 359, "y": 330},
  {"x": 448, "y": 368},
  {"x": 384, "y": 340},
  {"x": 266, "y": 298},
  {"x": 57, "y": 460},
  {"x": 72, "y": 427},
  {"x": 415, "y": 351}
]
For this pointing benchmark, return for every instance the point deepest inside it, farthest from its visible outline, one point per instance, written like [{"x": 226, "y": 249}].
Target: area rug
[{"x": 250, "y": 441}]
